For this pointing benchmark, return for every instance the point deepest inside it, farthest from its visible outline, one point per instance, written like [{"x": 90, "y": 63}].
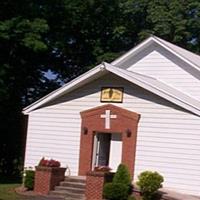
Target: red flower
[{"x": 49, "y": 163}]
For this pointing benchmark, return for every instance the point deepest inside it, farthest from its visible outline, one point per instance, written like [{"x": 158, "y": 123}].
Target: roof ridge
[
  {"x": 175, "y": 45},
  {"x": 170, "y": 45}
]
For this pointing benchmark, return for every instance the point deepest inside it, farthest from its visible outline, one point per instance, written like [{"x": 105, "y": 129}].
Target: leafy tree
[
  {"x": 68, "y": 37},
  {"x": 22, "y": 46}
]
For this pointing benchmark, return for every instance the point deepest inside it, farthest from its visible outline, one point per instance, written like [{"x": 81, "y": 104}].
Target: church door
[
  {"x": 107, "y": 150},
  {"x": 102, "y": 149}
]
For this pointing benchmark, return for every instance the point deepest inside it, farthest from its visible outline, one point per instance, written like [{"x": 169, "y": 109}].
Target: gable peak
[{"x": 188, "y": 57}]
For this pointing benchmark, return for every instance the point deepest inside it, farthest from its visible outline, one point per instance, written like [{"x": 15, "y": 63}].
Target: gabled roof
[
  {"x": 190, "y": 58},
  {"x": 72, "y": 85},
  {"x": 148, "y": 83}
]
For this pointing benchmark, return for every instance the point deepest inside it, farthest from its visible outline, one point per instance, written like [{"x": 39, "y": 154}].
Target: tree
[
  {"x": 21, "y": 47},
  {"x": 68, "y": 37}
]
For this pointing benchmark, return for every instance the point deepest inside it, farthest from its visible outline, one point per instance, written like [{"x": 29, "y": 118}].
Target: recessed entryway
[
  {"x": 107, "y": 150},
  {"x": 107, "y": 139}
]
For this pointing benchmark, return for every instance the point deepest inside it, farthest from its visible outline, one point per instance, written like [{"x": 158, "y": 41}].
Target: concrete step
[
  {"x": 61, "y": 197},
  {"x": 64, "y": 193},
  {"x": 73, "y": 184},
  {"x": 76, "y": 179},
  {"x": 71, "y": 189}
]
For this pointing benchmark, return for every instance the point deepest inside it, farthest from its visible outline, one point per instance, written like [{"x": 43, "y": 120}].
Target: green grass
[{"x": 7, "y": 192}]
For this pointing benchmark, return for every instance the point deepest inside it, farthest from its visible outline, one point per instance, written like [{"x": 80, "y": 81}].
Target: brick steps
[{"x": 72, "y": 188}]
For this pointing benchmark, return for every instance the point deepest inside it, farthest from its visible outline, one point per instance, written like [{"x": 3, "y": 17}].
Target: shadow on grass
[{"x": 10, "y": 179}]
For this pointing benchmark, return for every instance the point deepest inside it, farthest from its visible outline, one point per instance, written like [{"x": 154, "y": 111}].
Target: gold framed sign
[{"x": 112, "y": 94}]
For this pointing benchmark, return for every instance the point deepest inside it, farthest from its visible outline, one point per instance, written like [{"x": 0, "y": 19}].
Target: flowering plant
[
  {"x": 48, "y": 163},
  {"x": 102, "y": 168}
]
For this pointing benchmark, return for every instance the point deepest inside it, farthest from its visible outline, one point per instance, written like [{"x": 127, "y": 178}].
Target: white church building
[{"x": 143, "y": 110}]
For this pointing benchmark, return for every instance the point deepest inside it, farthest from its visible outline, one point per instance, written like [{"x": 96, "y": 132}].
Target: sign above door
[{"x": 112, "y": 94}]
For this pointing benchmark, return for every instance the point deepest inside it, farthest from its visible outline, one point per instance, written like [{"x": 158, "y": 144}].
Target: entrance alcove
[
  {"x": 107, "y": 150},
  {"x": 108, "y": 137}
]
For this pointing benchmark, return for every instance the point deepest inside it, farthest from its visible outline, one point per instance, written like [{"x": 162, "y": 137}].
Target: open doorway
[
  {"x": 101, "y": 150},
  {"x": 107, "y": 150}
]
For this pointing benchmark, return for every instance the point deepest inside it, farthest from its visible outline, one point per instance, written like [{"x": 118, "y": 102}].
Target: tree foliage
[{"x": 66, "y": 38}]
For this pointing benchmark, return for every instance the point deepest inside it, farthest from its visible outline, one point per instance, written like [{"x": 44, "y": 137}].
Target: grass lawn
[{"x": 7, "y": 192}]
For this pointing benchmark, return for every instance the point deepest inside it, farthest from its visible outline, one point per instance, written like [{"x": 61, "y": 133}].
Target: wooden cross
[{"x": 107, "y": 116}]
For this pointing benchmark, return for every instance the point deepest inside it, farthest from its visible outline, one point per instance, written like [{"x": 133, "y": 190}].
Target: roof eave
[{"x": 64, "y": 88}]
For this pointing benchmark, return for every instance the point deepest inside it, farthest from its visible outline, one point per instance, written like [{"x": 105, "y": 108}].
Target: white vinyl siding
[
  {"x": 158, "y": 63},
  {"x": 168, "y": 137}
]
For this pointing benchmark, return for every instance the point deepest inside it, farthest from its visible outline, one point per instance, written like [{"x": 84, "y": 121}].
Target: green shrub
[
  {"x": 122, "y": 175},
  {"x": 29, "y": 179},
  {"x": 115, "y": 191},
  {"x": 149, "y": 182},
  {"x": 121, "y": 186}
]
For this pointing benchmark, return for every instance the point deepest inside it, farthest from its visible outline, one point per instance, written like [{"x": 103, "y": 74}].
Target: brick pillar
[
  {"x": 46, "y": 178},
  {"x": 94, "y": 184}
]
